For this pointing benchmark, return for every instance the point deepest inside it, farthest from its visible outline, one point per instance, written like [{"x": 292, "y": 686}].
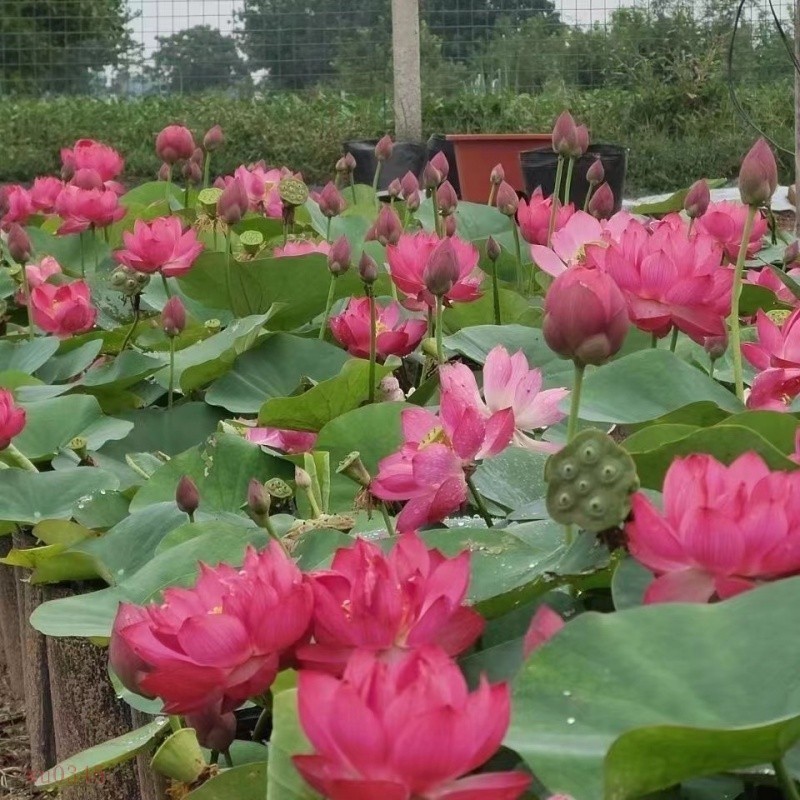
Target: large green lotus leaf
[
  {"x": 473, "y": 220},
  {"x": 326, "y": 401},
  {"x": 222, "y": 470},
  {"x": 72, "y": 362},
  {"x": 274, "y": 369},
  {"x": 514, "y": 310},
  {"x": 622, "y": 705},
  {"x": 646, "y": 385},
  {"x": 245, "y": 782},
  {"x": 124, "y": 371},
  {"x": 71, "y": 250},
  {"x": 513, "y": 479},
  {"x": 26, "y": 356}
]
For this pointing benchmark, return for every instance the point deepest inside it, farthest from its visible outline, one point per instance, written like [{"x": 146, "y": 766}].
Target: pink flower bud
[
  {"x": 302, "y": 478},
  {"x": 565, "y": 135},
  {"x": 187, "y": 498},
  {"x": 409, "y": 184},
  {"x": 384, "y": 148},
  {"x": 349, "y": 162},
  {"x": 497, "y": 175},
  {"x": 440, "y": 163},
  {"x": 431, "y": 177},
  {"x": 601, "y": 206},
  {"x": 493, "y": 249},
  {"x": 441, "y": 272},
  {"x": 791, "y": 253},
  {"x": 697, "y": 199},
  {"x": 192, "y": 172},
  {"x": 716, "y": 346},
  {"x": 233, "y": 202},
  {"x": 164, "y": 172},
  {"x": 583, "y": 140},
  {"x": 258, "y": 499},
  {"x": 387, "y": 228},
  {"x": 214, "y": 139},
  {"x": 450, "y": 224},
  {"x": 340, "y": 256},
  {"x": 585, "y": 316},
  {"x": 198, "y": 157},
  {"x": 87, "y": 179},
  {"x": 214, "y": 731},
  {"x": 368, "y": 269},
  {"x": 173, "y": 317},
  {"x": 12, "y": 418},
  {"x": 19, "y": 244},
  {"x": 507, "y": 200},
  {"x": 758, "y": 175},
  {"x": 175, "y": 143},
  {"x": 596, "y": 174},
  {"x": 330, "y": 201},
  {"x": 447, "y": 199},
  {"x": 412, "y": 201},
  {"x": 394, "y": 189}
]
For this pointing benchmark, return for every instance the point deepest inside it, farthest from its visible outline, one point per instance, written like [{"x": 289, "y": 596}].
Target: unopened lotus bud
[
  {"x": 164, "y": 172},
  {"x": 175, "y": 143},
  {"x": 233, "y": 202},
  {"x": 214, "y": 139},
  {"x": 208, "y": 199},
  {"x": 214, "y": 731},
  {"x": 493, "y": 249},
  {"x": 697, "y": 199},
  {"x": 341, "y": 167},
  {"x": 497, "y": 175},
  {"x": 19, "y": 244},
  {"x": 583, "y": 141},
  {"x": 601, "y": 206},
  {"x": 330, "y": 201},
  {"x": 431, "y": 177},
  {"x": 441, "y": 271},
  {"x": 258, "y": 499},
  {"x": 716, "y": 346},
  {"x": 758, "y": 175},
  {"x": 450, "y": 224},
  {"x": 192, "y": 173},
  {"x": 198, "y": 157},
  {"x": 394, "y": 190},
  {"x": 67, "y": 170},
  {"x": 384, "y": 148},
  {"x": 595, "y": 175},
  {"x": 301, "y": 478},
  {"x": 389, "y": 390},
  {"x": 412, "y": 201},
  {"x": 340, "y": 256},
  {"x": 173, "y": 317},
  {"x": 441, "y": 165},
  {"x": 507, "y": 200},
  {"x": 791, "y": 253},
  {"x": 350, "y": 162},
  {"x": 387, "y": 228},
  {"x": 368, "y": 269},
  {"x": 87, "y": 179},
  {"x": 353, "y": 467},
  {"x": 447, "y": 199},
  {"x": 565, "y": 135},
  {"x": 409, "y": 184},
  {"x": 187, "y": 498}
]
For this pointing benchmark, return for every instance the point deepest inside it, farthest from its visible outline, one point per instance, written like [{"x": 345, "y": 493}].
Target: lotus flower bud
[
  {"x": 601, "y": 206},
  {"x": 758, "y": 175},
  {"x": 697, "y": 199},
  {"x": 175, "y": 143},
  {"x": 346, "y": 164},
  {"x": 187, "y": 498},
  {"x": 67, "y": 170},
  {"x": 198, "y": 157},
  {"x": 214, "y": 731},
  {"x": 585, "y": 316},
  {"x": 583, "y": 141},
  {"x": 173, "y": 317},
  {"x": 507, "y": 200},
  {"x": 394, "y": 190},
  {"x": 87, "y": 179},
  {"x": 368, "y": 269},
  {"x": 447, "y": 199},
  {"x": 450, "y": 224},
  {"x": 716, "y": 346},
  {"x": 330, "y": 201},
  {"x": 791, "y": 253},
  {"x": 497, "y": 175},
  {"x": 192, "y": 173},
  {"x": 493, "y": 249},
  {"x": 412, "y": 201},
  {"x": 441, "y": 271},
  {"x": 301, "y": 478},
  {"x": 595, "y": 175},
  {"x": 164, "y": 172},
  {"x": 214, "y": 139},
  {"x": 19, "y": 244},
  {"x": 565, "y": 135},
  {"x": 341, "y": 167},
  {"x": 233, "y": 202},
  {"x": 258, "y": 499},
  {"x": 409, "y": 184},
  {"x": 387, "y": 228},
  {"x": 384, "y": 148},
  {"x": 389, "y": 390},
  {"x": 340, "y": 256},
  {"x": 431, "y": 177},
  {"x": 441, "y": 165}
]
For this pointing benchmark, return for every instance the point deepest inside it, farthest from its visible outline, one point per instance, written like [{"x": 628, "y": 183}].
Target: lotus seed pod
[
  {"x": 353, "y": 467},
  {"x": 590, "y": 482},
  {"x": 208, "y": 199},
  {"x": 251, "y": 241},
  {"x": 293, "y": 192},
  {"x": 278, "y": 489}
]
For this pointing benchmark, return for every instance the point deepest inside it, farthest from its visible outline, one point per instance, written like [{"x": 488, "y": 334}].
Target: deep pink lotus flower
[
  {"x": 104, "y": 160},
  {"x": 774, "y": 389},
  {"x": 219, "y": 643},
  {"x": 777, "y": 345},
  {"x": 723, "y": 529},
  {"x": 402, "y": 730},
  {"x": 768, "y": 279},
  {"x": 389, "y": 604},
  {"x": 160, "y": 246},
  {"x": 175, "y": 143},
  {"x": 396, "y": 336},
  {"x": 44, "y": 193},
  {"x": 37, "y": 274},
  {"x": 261, "y": 185},
  {"x": 544, "y": 625},
  {"x": 534, "y": 217},
  {"x": 724, "y": 222},
  {"x": 508, "y": 382},
  {"x": 407, "y": 262},
  {"x": 428, "y": 470},
  {"x": 16, "y": 206},
  {"x": 301, "y": 247},
  {"x": 12, "y": 418},
  {"x": 63, "y": 310},
  {"x": 286, "y": 440},
  {"x": 81, "y": 209}
]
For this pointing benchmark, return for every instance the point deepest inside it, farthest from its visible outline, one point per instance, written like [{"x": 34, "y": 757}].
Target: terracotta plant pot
[{"x": 478, "y": 153}]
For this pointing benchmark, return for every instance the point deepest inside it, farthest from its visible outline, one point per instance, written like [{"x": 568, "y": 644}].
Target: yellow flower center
[{"x": 434, "y": 436}]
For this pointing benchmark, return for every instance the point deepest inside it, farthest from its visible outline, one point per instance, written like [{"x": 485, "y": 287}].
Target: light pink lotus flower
[
  {"x": 104, "y": 160},
  {"x": 16, "y": 206},
  {"x": 428, "y": 470},
  {"x": 280, "y": 439},
  {"x": 534, "y": 217},
  {"x": 408, "y": 729},
  {"x": 723, "y": 530},
  {"x": 63, "y": 310},
  {"x": 301, "y": 247},
  {"x": 774, "y": 389},
  {"x": 160, "y": 246},
  {"x": 725, "y": 221},
  {"x": 44, "y": 193},
  {"x": 396, "y": 336},
  {"x": 261, "y": 185},
  {"x": 389, "y": 604},
  {"x": 508, "y": 382},
  {"x": 37, "y": 274},
  {"x": 12, "y": 418},
  {"x": 769, "y": 280},
  {"x": 544, "y": 625},
  {"x": 407, "y": 262},
  {"x": 81, "y": 209},
  {"x": 217, "y": 644}
]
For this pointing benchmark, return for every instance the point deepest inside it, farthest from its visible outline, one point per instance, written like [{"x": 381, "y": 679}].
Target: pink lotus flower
[
  {"x": 777, "y": 345},
  {"x": 279, "y": 439},
  {"x": 12, "y": 418},
  {"x": 508, "y": 382},
  {"x": 725, "y": 222},
  {"x": 63, "y": 310},
  {"x": 389, "y": 604},
  {"x": 544, "y": 625},
  {"x": 774, "y": 389},
  {"x": 219, "y": 643},
  {"x": 16, "y": 206},
  {"x": 407, "y": 262},
  {"x": 768, "y": 279},
  {"x": 408, "y": 729},
  {"x": 44, "y": 193},
  {"x": 160, "y": 246},
  {"x": 261, "y": 186},
  {"x": 37, "y": 274},
  {"x": 723, "y": 529},
  {"x": 301, "y": 247},
  {"x": 395, "y": 337},
  {"x": 428, "y": 470},
  {"x": 534, "y": 217},
  {"x": 104, "y": 160},
  {"x": 82, "y": 209}
]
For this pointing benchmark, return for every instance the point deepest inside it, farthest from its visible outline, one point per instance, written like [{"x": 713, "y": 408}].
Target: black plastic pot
[
  {"x": 539, "y": 169},
  {"x": 439, "y": 144},
  {"x": 406, "y": 157}
]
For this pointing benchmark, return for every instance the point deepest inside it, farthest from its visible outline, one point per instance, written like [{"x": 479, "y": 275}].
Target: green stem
[
  {"x": 171, "y": 371},
  {"x": 96, "y": 249},
  {"x": 588, "y": 197},
  {"x": 226, "y": 755},
  {"x": 186, "y": 195},
  {"x": 439, "y": 313},
  {"x": 353, "y": 188},
  {"x": 568, "y": 182},
  {"x": 785, "y": 780},
  {"x": 437, "y": 219},
  {"x": 674, "y": 340},
  {"x": 328, "y": 306},
  {"x": 106, "y": 236},
  {"x": 479, "y": 504},
  {"x": 387, "y": 520},
  {"x": 273, "y": 534},
  {"x": 312, "y": 501},
  {"x": 169, "y": 190},
  {"x": 261, "y": 725},
  {"x": 653, "y": 341},
  {"x": 129, "y": 335},
  {"x": 554, "y": 200},
  {"x": 83, "y": 254},
  {"x": 373, "y": 344},
  {"x": 207, "y": 170},
  {"x": 328, "y": 230},
  {"x": 711, "y": 368},
  {"x": 736, "y": 336},
  {"x": 175, "y": 723},
  {"x": 406, "y": 218},
  {"x": 518, "y": 253},
  {"x": 375, "y": 180},
  {"x": 26, "y": 288},
  {"x": 14, "y": 458},
  {"x": 495, "y": 294},
  {"x": 575, "y": 402},
  {"x": 166, "y": 285},
  {"x": 492, "y": 195}
]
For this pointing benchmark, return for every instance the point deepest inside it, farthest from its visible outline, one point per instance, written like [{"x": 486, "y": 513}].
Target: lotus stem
[
  {"x": 136, "y": 301},
  {"x": 575, "y": 402},
  {"x": 353, "y": 188},
  {"x": 518, "y": 254},
  {"x": 83, "y": 255},
  {"x": 373, "y": 344},
  {"x": 495, "y": 294},
  {"x": 26, "y": 288},
  {"x": 785, "y": 780},
  {"x": 588, "y": 198},
  {"x": 674, "y": 340},
  {"x": 375, "y": 180},
  {"x": 387, "y": 520},
  {"x": 568, "y": 182},
  {"x": 96, "y": 252},
  {"x": 479, "y": 504},
  {"x": 168, "y": 193},
  {"x": 328, "y": 230},
  {"x": 175, "y": 723},
  {"x": 439, "y": 315},
  {"x": 12, "y": 456},
  {"x": 554, "y": 200},
  {"x": 207, "y": 170},
  {"x": 328, "y": 306},
  {"x": 166, "y": 285},
  {"x": 736, "y": 336},
  {"x": 171, "y": 371},
  {"x": 492, "y": 194}
]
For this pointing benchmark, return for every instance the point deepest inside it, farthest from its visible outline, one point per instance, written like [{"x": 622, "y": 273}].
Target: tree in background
[
  {"x": 60, "y": 45},
  {"x": 198, "y": 59}
]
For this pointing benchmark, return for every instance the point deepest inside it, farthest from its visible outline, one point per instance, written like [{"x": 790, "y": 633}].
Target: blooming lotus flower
[
  {"x": 301, "y": 247},
  {"x": 219, "y": 643},
  {"x": 175, "y": 143},
  {"x": 44, "y": 193},
  {"x": 544, "y": 625},
  {"x": 81, "y": 209},
  {"x": 37, "y": 274},
  {"x": 768, "y": 279},
  {"x": 428, "y": 470},
  {"x": 279, "y": 439},
  {"x": 261, "y": 186},
  {"x": 16, "y": 206},
  {"x": 725, "y": 221},
  {"x": 508, "y": 382},
  {"x": 12, "y": 418},
  {"x": 104, "y": 160},
  {"x": 389, "y": 604},
  {"x": 160, "y": 246},
  {"x": 723, "y": 529},
  {"x": 774, "y": 389},
  {"x": 409, "y": 258},
  {"x": 777, "y": 345},
  {"x": 533, "y": 217},
  {"x": 395, "y": 337},
  {"x": 63, "y": 310},
  {"x": 408, "y": 729}
]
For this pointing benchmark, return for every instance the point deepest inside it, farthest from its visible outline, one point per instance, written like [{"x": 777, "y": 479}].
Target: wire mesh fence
[{"x": 138, "y": 47}]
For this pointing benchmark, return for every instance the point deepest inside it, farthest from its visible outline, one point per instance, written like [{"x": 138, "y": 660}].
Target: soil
[{"x": 14, "y": 750}]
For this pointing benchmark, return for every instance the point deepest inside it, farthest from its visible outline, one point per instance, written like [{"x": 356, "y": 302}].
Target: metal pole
[{"x": 406, "y": 63}]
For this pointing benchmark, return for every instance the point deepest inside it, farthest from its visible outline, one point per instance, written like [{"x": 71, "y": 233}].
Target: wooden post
[{"x": 406, "y": 63}]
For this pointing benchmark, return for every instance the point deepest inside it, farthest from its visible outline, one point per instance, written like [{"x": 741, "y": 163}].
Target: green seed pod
[
  {"x": 207, "y": 201},
  {"x": 251, "y": 241},
  {"x": 293, "y": 192},
  {"x": 278, "y": 489}
]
